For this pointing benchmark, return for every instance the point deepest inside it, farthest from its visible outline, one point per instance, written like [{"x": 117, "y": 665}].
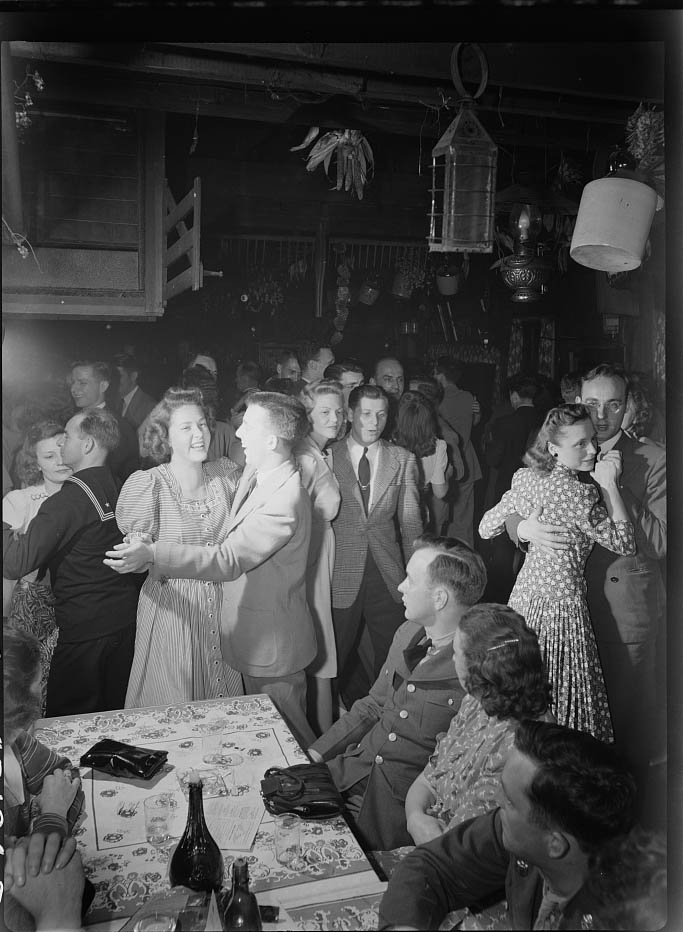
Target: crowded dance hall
[{"x": 334, "y": 443}]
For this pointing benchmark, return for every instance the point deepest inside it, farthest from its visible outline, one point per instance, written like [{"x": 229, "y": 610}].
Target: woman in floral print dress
[{"x": 550, "y": 591}]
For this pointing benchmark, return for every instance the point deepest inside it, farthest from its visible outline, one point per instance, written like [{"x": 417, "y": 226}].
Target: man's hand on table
[
  {"x": 35, "y": 854},
  {"x": 54, "y": 899}
]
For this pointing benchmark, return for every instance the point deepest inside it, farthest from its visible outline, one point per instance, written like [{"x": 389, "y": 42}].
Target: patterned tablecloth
[{"x": 126, "y": 870}]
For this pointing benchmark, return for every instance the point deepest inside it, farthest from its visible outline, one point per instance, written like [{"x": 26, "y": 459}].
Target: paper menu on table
[{"x": 233, "y": 821}]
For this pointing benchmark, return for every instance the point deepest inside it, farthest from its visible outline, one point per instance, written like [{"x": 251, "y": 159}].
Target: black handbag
[
  {"x": 124, "y": 760},
  {"x": 306, "y": 790}
]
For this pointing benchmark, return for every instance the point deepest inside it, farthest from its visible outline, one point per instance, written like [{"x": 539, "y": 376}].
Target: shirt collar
[
  {"x": 126, "y": 398},
  {"x": 608, "y": 445},
  {"x": 357, "y": 448},
  {"x": 263, "y": 474}
]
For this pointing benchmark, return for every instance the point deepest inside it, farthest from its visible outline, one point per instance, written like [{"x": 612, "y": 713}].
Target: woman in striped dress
[
  {"x": 186, "y": 500},
  {"x": 550, "y": 591}
]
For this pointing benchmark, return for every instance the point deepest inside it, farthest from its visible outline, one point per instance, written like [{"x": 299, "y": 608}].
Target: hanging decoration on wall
[
  {"x": 342, "y": 297},
  {"x": 464, "y": 160},
  {"x": 23, "y": 100},
  {"x": 355, "y": 160},
  {"x": 616, "y": 212}
]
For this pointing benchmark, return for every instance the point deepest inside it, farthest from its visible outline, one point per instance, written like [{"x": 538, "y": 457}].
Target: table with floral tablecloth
[{"x": 126, "y": 870}]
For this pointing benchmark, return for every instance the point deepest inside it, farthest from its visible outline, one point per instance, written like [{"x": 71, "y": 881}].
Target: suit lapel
[
  {"x": 386, "y": 469},
  {"x": 245, "y": 503},
  {"x": 242, "y": 491},
  {"x": 343, "y": 468}
]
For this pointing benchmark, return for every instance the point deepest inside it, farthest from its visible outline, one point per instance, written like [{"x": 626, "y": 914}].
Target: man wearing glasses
[{"x": 625, "y": 594}]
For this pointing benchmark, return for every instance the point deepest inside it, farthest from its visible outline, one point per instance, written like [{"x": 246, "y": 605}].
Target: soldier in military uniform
[
  {"x": 564, "y": 795},
  {"x": 379, "y": 746}
]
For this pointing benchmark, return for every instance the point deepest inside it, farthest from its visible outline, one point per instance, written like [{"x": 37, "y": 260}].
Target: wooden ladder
[{"x": 187, "y": 244}]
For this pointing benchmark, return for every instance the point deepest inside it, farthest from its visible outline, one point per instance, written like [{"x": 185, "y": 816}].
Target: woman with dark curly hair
[
  {"x": 499, "y": 665},
  {"x": 550, "y": 591},
  {"x": 416, "y": 429},
  {"x": 29, "y": 602},
  {"x": 184, "y": 499}
]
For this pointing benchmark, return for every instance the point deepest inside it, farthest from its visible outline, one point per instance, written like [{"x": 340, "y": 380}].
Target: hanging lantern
[
  {"x": 463, "y": 176},
  {"x": 525, "y": 272},
  {"x": 614, "y": 220}
]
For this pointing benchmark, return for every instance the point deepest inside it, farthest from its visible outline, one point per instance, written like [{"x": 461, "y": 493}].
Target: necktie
[
  {"x": 413, "y": 655},
  {"x": 364, "y": 478}
]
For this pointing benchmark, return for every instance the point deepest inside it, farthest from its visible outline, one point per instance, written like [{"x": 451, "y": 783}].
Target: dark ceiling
[{"x": 575, "y": 95}]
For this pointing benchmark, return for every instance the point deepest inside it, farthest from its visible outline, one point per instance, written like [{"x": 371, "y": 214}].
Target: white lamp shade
[{"x": 613, "y": 224}]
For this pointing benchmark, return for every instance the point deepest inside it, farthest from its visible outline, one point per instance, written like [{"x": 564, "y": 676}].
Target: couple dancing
[{"x": 224, "y": 603}]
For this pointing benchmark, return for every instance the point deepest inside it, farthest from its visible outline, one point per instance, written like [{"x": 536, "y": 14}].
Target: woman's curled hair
[
  {"x": 538, "y": 457},
  {"x": 26, "y": 465},
  {"x": 416, "y": 426},
  {"x": 505, "y": 670},
  {"x": 155, "y": 443}
]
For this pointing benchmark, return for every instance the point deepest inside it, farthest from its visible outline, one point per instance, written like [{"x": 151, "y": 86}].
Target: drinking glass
[
  {"x": 288, "y": 841},
  {"x": 158, "y": 818}
]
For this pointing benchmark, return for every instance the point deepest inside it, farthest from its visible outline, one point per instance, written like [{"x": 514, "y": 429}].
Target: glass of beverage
[
  {"x": 288, "y": 841},
  {"x": 214, "y": 751},
  {"x": 158, "y": 812}
]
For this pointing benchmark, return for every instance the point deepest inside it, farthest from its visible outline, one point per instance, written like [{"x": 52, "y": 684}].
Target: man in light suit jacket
[
  {"x": 625, "y": 594},
  {"x": 374, "y": 539},
  {"x": 267, "y": 629}
]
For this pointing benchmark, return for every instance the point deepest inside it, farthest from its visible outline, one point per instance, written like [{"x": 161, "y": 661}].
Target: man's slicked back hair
[{"x": 456, "y": 566}]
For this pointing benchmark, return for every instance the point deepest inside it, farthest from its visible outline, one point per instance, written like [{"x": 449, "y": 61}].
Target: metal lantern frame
[{"x": 464, "y": 164}]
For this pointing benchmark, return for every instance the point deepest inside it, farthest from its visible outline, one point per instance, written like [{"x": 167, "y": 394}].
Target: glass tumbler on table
[
  {"x": 288, "y": 841},
  {"x": 157, "y": 818}
]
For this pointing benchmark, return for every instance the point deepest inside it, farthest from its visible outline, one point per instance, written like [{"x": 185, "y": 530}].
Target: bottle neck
[
  {"x": 195, "y": 812},
  {"x": 241, "y": 876}
]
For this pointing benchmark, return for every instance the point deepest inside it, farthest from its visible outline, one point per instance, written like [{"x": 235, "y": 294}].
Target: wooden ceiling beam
[
  {"x": 292, "y": 80},
  {"x": 618, "y": 70},
  {"x": 78, "y": 86}
]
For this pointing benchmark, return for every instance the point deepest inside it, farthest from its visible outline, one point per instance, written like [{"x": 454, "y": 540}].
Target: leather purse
[
  {"x": 124, "y": 760},
  {"x": 306, "y": 790}
]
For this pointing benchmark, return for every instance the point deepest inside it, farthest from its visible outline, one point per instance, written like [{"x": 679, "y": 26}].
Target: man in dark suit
[
  {"x": 509, "y": 435},
  {"x": 564, "y": 797},
  {"x": 625, "y": 594},
  {"x": 89, "y": 383},
  {"x": 378, "y": 521},
  {"x": 135, "y": 404},
  {"x": 507, "y": 439}
]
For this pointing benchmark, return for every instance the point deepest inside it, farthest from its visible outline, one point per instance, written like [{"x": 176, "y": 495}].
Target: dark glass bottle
[
  {"x": 242, "y": 911},
  {"x": 197, "y": 862}
]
